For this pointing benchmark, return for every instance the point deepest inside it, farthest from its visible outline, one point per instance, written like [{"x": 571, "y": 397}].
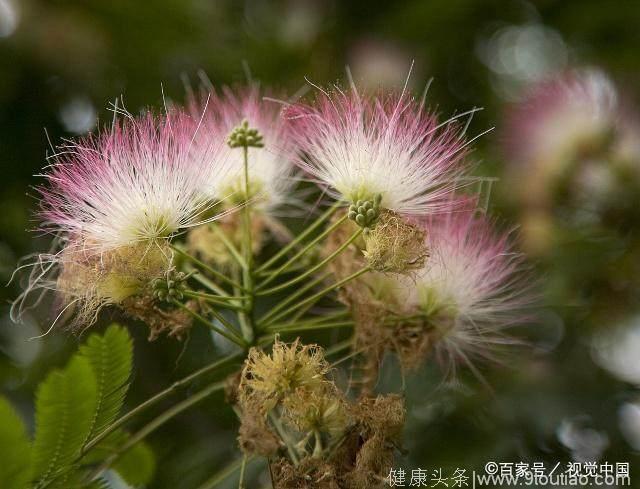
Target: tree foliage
[{"x": 73, "y": 405}]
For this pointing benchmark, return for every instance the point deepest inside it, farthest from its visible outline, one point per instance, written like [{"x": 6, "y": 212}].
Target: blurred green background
[{"x": 571, "y": 395}]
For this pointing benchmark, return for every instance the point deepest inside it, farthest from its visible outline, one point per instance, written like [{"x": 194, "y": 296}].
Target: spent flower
[{"x": 270, "y": 378}]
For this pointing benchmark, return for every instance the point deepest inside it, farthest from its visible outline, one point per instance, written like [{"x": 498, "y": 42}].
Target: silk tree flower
[
  {"x": 468, "y": 292},
  {"x": 562, "y": 118},
  {"x": 560, "y": 124},
  {"x": 471, "y": 288},
  {"x": 135, "y": 183},
  {"x": 271, "y": 172},
  {"x": 386, "y": 147},
  {"x": 270, "y": 168},
  {"x": 115, "y": 199},
  {"x": 573, "y": 138}
]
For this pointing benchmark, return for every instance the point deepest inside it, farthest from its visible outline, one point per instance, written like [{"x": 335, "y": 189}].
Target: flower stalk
[
  {"x": 229, "y": 333},
  {"x": 156, "y": 423},
  {"x": 311, "y": 271},
  {"x": 300, "y": 253}
]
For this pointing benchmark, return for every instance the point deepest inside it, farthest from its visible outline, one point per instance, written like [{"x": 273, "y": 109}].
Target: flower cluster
[
  {"x": 174, "y": 220},
  {"x": 289, "y": 403}
]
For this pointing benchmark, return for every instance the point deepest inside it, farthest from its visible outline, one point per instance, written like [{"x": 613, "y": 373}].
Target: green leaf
[
  {"x": 15, "y": 448},
  {"x": 65, "y": 406},
  {"x": 71, "y": 479},
  {"x": 111, "y": 357},
  {"x": 137, "y": 465},
  {"x": 105, "y": 448},
  {"x": 78, "y": 480}
]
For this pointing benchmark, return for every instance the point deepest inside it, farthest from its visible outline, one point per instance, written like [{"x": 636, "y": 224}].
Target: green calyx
[
  {"x": 365, "y": 213},
  {"x": 243, "y": 136},
  {"x": 170, "y": 287}
]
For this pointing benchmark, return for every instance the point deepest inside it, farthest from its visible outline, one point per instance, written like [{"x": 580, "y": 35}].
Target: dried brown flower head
[
  {"x": 310, "y": 473},
  {"x": 91, "y": 280},
  {"x": 269, "y": 378},
  {"x": 317, "y": 411},
  {"x": 174, "y": 322},
  {"x": 255, "y": 436},
  {"x": 372, "y": 442},
  {"x": 395, "y": 245}
]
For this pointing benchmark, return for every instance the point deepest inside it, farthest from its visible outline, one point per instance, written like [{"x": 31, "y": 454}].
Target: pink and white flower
[
  {"x": 473, "y": 282},
  {"x": 114, "y": 200},
  {"x": 471, "y": 288},
  {"x": 136, "y": 182},
  {"x": 359, "y": 147},
  {"x": 270, "y": 167},
  {"x": 560, "y": 117}
]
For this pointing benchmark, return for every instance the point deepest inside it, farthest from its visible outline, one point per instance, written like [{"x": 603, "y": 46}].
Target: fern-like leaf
[
  {"x": 111, "y": 357},
  {"x": 78, "y": 480},
  {"x": 15, "y": 449},
  {"x": 106, "y": 447},
  {"x": 65, "y": 406},
  {"x": 136, "y": 466}
]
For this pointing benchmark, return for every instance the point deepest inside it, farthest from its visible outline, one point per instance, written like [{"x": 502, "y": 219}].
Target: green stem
[
  {"x": 247, "y": 272},
  {"x": 241, "y": 315},
  {"x": 242, "y": 469},
  {"x": 338, "y": 347},
  {"x": 314, "y": 320},
  {"x": 313, "y": 327},
  {"x": 217, "y": 300},
  {"x": 208, "y": 283},
  {"x": 285, "y": 438},
  {"x": 155, "y": 423},
  {"x": 204, "y": 266},
  {"x": 160, "y": 396},
  {"x": 266, "y": 273},
  {"x": 312, "y": 270},
  {"x": 347, "y": 357},
  {"x": 229, "y": 245},
  {"x": 220, "y": 476},
  {"x": 322, "y": 293},
  {"x": 289, "y": 299},
  {"x": 231, "y": 335},
  {"x": 303, "y": 310},
  {"x": 292, "y": 244},
  {"x": 304, "y": 250}
]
